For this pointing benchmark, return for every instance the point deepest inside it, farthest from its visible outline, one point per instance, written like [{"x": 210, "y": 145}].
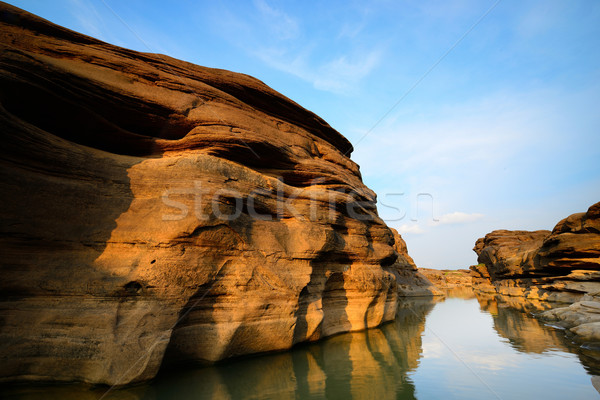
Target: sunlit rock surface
[
  {"x": 346, "y": 366},
  {"x": 562, "y": 266},
  {"x": 156, "y": 212},
  {"x": 449, "y": 279}
]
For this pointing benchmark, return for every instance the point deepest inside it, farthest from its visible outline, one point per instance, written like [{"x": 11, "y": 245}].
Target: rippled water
[{"x": 459, "y": 348}]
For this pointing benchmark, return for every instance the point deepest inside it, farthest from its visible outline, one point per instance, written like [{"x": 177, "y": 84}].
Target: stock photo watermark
[{"x": 313, "y": 203}]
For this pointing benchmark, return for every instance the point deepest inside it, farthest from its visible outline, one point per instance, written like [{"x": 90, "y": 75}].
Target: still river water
[{"x": 457, "y": 348}]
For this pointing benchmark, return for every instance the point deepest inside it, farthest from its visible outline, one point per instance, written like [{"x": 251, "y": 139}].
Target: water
[{"x": 459, "y": 348}]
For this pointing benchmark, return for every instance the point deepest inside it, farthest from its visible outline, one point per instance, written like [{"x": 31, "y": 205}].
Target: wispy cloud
[
  {"x": 332, "y": 63},
  {"x": 414, "y": 229},
  {"x": 339, "y": 75},
  {"x": 540, "y": 18},
  {"x": 457, "y": 217},
  {"x": 277, "y": 21},
  {"x": 89, "y": 19}
]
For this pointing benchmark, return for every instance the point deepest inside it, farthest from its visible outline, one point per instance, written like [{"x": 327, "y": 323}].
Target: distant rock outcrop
[
  {"x": 408, "y": 277},
  {"x": 560, "y": 266},
  {"x": 156, "y": 212},
  {"x": 448, "y": 278}
]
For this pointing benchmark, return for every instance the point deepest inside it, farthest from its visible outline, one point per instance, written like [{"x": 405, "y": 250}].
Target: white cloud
[
  {"x": 338, "y": 75},
  {"x": 277, "y": 22},
  {"x": 457, "y": 217},
  {"x": 88, "y": 18},
  {"x": 414, "y": 229},
  {"x": 280, "y": 41}
]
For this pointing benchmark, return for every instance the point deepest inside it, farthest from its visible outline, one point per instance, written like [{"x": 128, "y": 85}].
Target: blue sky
[{"x": 504, "y": 132}]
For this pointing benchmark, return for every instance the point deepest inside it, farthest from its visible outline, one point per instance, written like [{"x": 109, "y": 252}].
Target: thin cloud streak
[
  {"x": 457, "y": 217},
  {"x": 414, "y": 229}
]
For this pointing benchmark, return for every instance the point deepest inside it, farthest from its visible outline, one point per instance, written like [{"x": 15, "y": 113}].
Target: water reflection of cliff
[
  {"x": 530, "y": 335},
  {"x": 376, "y": 363},
  {"x": 461, "y": 292}
]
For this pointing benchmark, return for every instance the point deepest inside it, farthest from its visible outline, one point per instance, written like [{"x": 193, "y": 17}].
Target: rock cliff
[
  {"x": 562, "y": 265},
  {"x": 156, "y": 212},
  {"x": 410, "y": 281},
  {"x": 559, "y": 266},
  {"x": 389, "y": 353}
]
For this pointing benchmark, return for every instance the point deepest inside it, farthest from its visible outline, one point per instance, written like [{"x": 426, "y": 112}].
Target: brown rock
[
  {"x": 447, "y": 278},
  {"x": 509, "y": 253},
  {"x": 154, "y": 211},
  {"x": 558, "y": 266},
  {"x": 581, "y": 318},
  {"x": 390, "y": 352},
  {"x": 574, "y": 243}
]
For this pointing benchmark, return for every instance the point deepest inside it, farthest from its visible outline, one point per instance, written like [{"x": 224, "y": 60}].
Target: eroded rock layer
[
  {"x": 156, "y": 212},
  {"x": 561, "y": 266}
]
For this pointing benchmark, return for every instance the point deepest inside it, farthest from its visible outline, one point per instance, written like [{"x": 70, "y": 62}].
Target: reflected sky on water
[{"x": 454, "y": 348}]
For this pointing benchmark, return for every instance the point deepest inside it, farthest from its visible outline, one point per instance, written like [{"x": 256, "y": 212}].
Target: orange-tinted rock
[
  {"x": 553, "y": 261},
  {"x": 559, "y": 266},
  {"x": 448, "y": 278},
  {"x": 574, "y": 243},
  {"x": 509, "y": 254},
  {"x": 154, "y": 212}
]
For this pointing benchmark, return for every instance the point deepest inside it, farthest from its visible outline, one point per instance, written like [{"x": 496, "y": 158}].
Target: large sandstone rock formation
[
  {"x": 559, "y": 266},
  {"x": 562, "y": 265},
  {"x": 156, "y": 212},
  {"x": 387, "y": 355}
]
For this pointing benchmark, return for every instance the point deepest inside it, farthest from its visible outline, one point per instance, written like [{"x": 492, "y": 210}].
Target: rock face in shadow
[
  {"x": 410, "y": 281},
  {"x": 155, "y": 212},
  {"x": 376, "y": 363},
  {"x": 560, "y": 266}
]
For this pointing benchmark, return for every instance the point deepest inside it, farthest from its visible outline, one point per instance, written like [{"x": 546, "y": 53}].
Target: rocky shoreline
[
  {"x": 156, "y": 213},
  {"x": 448, "y": 278},
  {"x": 555, "y": 274}
]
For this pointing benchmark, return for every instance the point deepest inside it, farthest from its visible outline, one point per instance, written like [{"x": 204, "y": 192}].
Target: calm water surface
[{"x": 453, "y": 349}]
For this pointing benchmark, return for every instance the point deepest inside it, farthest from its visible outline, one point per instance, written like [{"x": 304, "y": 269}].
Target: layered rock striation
[
  {"x": 561, "y": 266},
  {"x": 155, "y": 212}
]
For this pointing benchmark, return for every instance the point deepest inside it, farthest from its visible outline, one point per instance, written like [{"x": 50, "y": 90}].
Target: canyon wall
[{"x": 155, "y": 212}]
